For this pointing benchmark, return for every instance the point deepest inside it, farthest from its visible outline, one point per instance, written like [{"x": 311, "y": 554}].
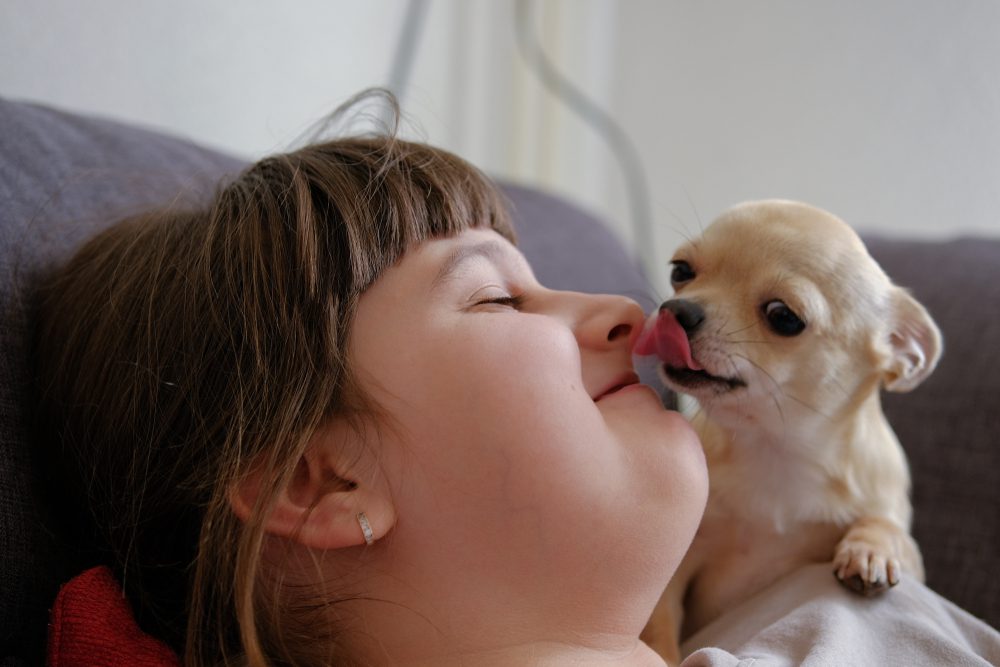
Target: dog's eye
[
  {"x": 682, "y": 272},
  {"x": 782, "y": 319}
]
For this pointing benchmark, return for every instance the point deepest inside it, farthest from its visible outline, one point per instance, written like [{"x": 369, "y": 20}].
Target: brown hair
[{"x": 178, "y": 348}]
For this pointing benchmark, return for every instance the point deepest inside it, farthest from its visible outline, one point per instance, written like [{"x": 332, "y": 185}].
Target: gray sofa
[{"x": 63, "y": 176}]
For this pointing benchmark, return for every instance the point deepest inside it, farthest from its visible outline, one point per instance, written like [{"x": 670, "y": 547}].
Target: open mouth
[
  {"x": 670, "y": 342},
  {"x": 701, "y": 379}
]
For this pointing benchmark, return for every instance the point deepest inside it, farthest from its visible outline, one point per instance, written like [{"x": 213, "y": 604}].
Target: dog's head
[{"x": 779, "y": 304}]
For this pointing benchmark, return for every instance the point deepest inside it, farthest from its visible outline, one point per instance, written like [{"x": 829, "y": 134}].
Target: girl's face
[{"x": 521, "y": 454}]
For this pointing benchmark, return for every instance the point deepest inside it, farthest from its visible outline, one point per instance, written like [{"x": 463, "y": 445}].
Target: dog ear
[{"x": 915, "y": 344}]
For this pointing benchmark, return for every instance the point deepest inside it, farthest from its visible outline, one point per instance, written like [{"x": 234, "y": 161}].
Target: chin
[
  {"x": 687, "y": 478},
  {"x": 671, "y": 521},
  {"x": 680, "y": 472},
  {"x": 665, "y": 453},
  {"x": 679, "y": 433}
]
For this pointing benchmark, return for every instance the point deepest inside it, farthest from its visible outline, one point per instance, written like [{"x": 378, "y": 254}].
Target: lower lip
[
  {"x": 627, "y": 389},
  {"x": 696, "y": 381}
]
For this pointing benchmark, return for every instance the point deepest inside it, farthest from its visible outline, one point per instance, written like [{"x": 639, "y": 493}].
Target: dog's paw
[{"x": 864, "y": 569}]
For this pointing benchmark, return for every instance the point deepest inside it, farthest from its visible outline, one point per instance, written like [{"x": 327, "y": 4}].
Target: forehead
[
  {"x": 453, "y": 254},
  {"x": 767, "y": 239},
  {"x": 434, "y": 262}
]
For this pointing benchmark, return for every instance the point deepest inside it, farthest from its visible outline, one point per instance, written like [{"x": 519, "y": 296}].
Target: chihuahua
[{"x": 784, "y": 329}]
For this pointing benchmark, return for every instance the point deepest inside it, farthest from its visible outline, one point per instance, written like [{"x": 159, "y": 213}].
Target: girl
[{"x": 332, "y": 418}]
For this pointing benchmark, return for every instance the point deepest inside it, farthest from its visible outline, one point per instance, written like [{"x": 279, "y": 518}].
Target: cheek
[
  {"x": 496, "y": 410},
  {"x": 499, "y": 433},
  {"x": 519, "y": 365},
  {"x": 506, "y": 359},
  {"x": 825, "y": 373},
  {"x": 509, "y": 378},
  {"x": 503, "y": 446}
]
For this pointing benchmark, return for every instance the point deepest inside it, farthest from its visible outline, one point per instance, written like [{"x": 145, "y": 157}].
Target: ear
[
  {"x": 915, "y": 344},
  {"x": 319, "y": 508}
]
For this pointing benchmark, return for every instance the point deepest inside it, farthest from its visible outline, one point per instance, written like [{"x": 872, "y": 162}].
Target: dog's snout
[{"x": 688, "y": 313}]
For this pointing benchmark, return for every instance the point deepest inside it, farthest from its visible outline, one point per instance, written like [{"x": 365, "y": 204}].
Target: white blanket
[{"x": 808, "y": 618}]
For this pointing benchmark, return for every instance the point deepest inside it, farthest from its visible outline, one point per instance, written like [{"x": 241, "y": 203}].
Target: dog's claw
[
  {"x": 863, "y": 587},
  {"x": 862, "y": 570},
  {"x": 892, "y": 571}
]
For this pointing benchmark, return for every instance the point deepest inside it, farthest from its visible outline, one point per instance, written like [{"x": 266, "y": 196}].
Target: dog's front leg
[{"x": 872, "y": 555}]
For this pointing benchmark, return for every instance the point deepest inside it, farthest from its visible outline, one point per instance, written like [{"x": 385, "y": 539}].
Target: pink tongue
[{"x": 667, "y": 340}]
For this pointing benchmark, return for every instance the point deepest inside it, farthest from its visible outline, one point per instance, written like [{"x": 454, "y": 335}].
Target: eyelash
[{"x": 514, "y": 301}]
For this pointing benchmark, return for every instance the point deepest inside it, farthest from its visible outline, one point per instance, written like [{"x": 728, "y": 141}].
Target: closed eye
[{"x": 511, "y": 300}]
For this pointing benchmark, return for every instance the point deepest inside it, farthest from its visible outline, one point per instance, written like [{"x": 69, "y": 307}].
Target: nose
[
  {"x": 607, "y": 321},
  {"x": 688, "y": 313}
]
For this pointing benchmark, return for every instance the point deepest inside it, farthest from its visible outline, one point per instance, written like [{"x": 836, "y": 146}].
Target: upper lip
[{"x": 622, "y": 380}]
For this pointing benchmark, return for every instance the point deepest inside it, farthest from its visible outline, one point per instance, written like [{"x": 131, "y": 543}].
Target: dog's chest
[
  {"x": 739, "y": 558},
  {"x": 770, "y": 510},
  {"x": 776, "y": 485}
]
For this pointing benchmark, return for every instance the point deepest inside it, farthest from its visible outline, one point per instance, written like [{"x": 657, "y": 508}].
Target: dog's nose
[{"x": 688, "y": 313}]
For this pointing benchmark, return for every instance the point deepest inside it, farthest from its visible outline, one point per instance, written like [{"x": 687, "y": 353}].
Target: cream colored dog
[{"x": 785, "y": 329}]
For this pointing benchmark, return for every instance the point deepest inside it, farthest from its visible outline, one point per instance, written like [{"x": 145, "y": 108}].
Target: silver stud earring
[{"x": 366, "y": 529}]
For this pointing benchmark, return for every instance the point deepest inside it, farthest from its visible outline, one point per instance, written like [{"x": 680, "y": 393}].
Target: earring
[{"x": 366, "y": 529}]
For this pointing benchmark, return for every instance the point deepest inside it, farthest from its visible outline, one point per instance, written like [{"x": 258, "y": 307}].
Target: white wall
[
  {"x": 887, "y": 113},
  {"x": 247, "y": 76}
]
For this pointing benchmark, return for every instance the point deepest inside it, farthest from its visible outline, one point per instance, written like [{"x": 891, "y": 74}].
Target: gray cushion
[
  {"x": 950, "y": 425},
  {"x": 570, "y": 249},
  {"x": 62, "y": 177}
]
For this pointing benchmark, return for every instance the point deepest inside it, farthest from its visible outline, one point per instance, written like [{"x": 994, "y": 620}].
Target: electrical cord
[
  {"x": 601, "y": 122},
  {"x": 558, "y": 85},
  {"x": 406, "y": 48}
]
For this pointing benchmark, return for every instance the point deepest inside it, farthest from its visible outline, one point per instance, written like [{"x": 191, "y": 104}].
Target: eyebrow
[{"x": 492, "y": 250}]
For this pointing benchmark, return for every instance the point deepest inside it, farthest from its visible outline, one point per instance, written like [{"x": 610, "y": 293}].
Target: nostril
[
  {"x": 688, "y": 313},
  {"x": 619, "y": 331}
]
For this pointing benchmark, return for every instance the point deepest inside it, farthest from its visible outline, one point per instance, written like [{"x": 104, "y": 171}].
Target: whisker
[
  {"x": 772, "y": 393},
  {"x": 736, "y": 331},
  {"x": 839, "y": 386},
  {"x": 683, "y": 231},
  {"x": 783, "y": 392},
  {"x": 694, "y": 209},
  {"x": 722, "y": 325},
  {"x": 742, "y": 397}
]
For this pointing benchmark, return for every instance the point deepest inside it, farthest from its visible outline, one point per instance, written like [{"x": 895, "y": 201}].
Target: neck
[
  {"x": 617, "y": 651},
  {"x": 451, "y": 597},
  {"x": 469, "y": 622},
  {"x": 404, "y": 635}
]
